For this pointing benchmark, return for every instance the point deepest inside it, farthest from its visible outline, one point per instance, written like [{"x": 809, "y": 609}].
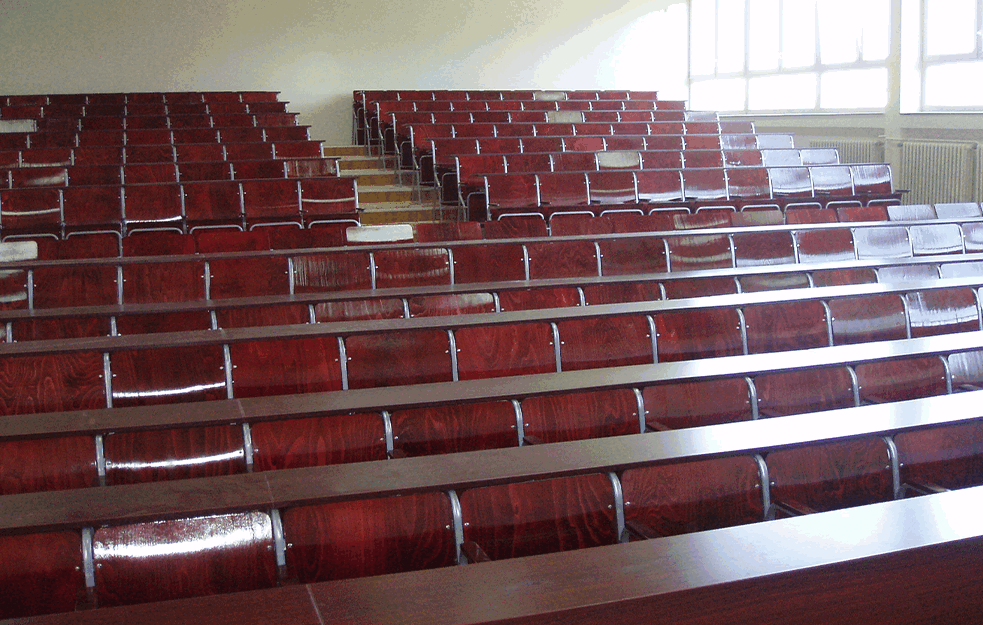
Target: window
[
  {"x": 951, "y": 55},
  {"x": 790, "y": 55}
]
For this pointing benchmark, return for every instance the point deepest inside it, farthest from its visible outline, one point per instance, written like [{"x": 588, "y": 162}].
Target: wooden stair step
[
  {"x": 345, "y": 150},
  {"x": 384, "y": 193}
]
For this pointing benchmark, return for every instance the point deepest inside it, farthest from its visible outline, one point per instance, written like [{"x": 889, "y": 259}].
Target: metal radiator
[
  {"x": 853, "y": 150},
  {"x": 938, "y": 171}
]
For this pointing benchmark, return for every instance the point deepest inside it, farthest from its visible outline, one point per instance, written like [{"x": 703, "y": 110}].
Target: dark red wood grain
[
  {"x": 285, "y": 367},
  {"x": 369, "y": 537},
  {"x": 318, "y": 441},
  {"x": 333, "y": 272},
  {"x": 398, "y": 357},
  {"x": 950, "y": 456},
  {"x": 868, "y": 318},
  {"x": 30, "y": 384},
  {"x": 685, "y": 497},
  {"x": 452, "y": 304},
  {"x": 898, "y": 380},
  {"x": 350, "y": 310},
  {"x": 576, "y": 416},
  {"x": 615, "y": 293},
  {"x": 698, "y": 333},
  {"x": 68, "y": 287},
  {"x": 505, "y": 350},
  {"x": 689, "y": 253},
  {"x": 832, "y": 475},
  {"x": 249, "y": 276},
  {"x": 795, "y": 392},
  {"x": 93, "y": 208},
  {"x": 763, "y": 248},
  {"x": 699, "y": 287},
  {"x": 28, "y": 466},
  {"x": 631, "y": 256},
  {"x": 605, "y": 342},
  {"x": 215, "y": 202},
  {"x": 40, "y": 574},
  {"x": 785, "y": 326},
  {"x": 692, "y": 404},
  {"x": 414, "y": 267},
  {"x": 471, "y": 263},
  {"x": 531, "y": 299},
  {"x": 528, "y": 518},
  {"x": 256, "y": 316},
  {"x": 454, "y": 428}
]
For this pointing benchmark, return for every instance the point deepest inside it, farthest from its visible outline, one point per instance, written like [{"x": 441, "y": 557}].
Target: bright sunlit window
[
  {"x": 951, "y": 56},
  {"x": 790, "y": 55}
]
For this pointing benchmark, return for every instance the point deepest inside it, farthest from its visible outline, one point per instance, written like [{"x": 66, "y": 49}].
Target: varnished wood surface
[
  {"x": 915, "y": 561},
  {"x": 287, "y": 488}
]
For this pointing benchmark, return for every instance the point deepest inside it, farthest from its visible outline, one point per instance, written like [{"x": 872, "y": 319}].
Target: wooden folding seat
[
  {"x": 830, "y": 476},
  {"x": 868, "y": 318},
  {"x": 692, "y": 404},
  {"x": 153, "y": 206},
  {"x": 454, "y": 428},
  {"x": 760, "y": 215},
  {"x": 327, "y": 198},
  {"x": 526, "y": 163},
  {"x": 359, "y": 309},
  {"x": 783, "y": 158},
  {"x": 453, "y": 304},
  {"x": 907, "y": 273},
  {"x": 661, "y": 159},
  {"x": 582, "y": 143},
  {"x": 416, "y": 267},
  {"x": 45, "y": 464},
  {"x": 754, "y": 249},
  {"x": 365, "y": 537},
  {"x": 100, "y": 139},
  {"x": 228, "y": 135},
  {"x": 577, "y": 416},
  {"x": 629, "y": 115},
  {"x": 285, "y": 367},
  {"x": 631, "y": 220},
  {"x": 818, "y": 246},
  {"x": 512, "y": 191},
  {"x": 627, "y": 128},
  {"x": 942, "y": 311},
  {"x": 27, "y": 177},
  {"x": 605, "y": 116},
  {"x": 258, "y": 169},
  {"x": 551, "y": 129},
  {"x": 874, "y": 179},
  {"x": 966, "y": 369},
  {"x": 701, "y": 142},
  {"x": 78, "y": 326},
  {"x": 318, "y": 441},
  {"x": 615, "y": 293},
  {"x": 874, "y": 242},
  {"x": 941, "y": 457},
  {"x": 529, "y": 518},
  {"x": 960, "y": 270},
  {"x": 245, "y": 277},
  {"x": 933, "y": 239},
  {"x": 271, "y": 201},
  {"x": 233, "y": 120},
  {"x": 47, "y": 570},
  {"x": 698, "y": 333},
  {"x": 562, "y": 259},
  {"x": 531, "y": 299},
  {"x": 664, "y": 142},
  {"x": 174, "y": 454},
  {"x": 150, "y": 173},
  {"x": 168, "y": 375},
  {"x": 702, "y": 159},
  {"x": 199, "y": 153},
  {"x": 146, "y": 122},
  {"x": 911, "y": 212},
  {"x": 183, "y": 109},
  {"x": 839, "y": 277},
  {"x": 97, "y": 156},
  {"x": 656, "y": 186},
  {"x": 958, "y": 210},
  {"x": 55, "y": 139},
  {"x": 785, "y": 326},
  {"x": 699, "y": 287},
  {"x": 194, "y": 136},
  {"x": 790, "y": 182},
  {"x": 571, "y": 223},
  {"x": 188, "y": 557},
  {"x": 210, "y": 203},
  {"x": 505, "y": 350},
  {"x": 516, "y": 225},
  {"x": 256, "y": 316},
  {"x": 249, "y": 151},
  {"x": 204, "y": 172},
  {"x": 513, "y": 129},
  {"x": 69, "y": 286},
  {"x": 272, "y": 120},
  {"x": 742, "y": 158},
  {"x": 160, "y": 137},
  {"x": 332, "y": 272},
  {"x": 549, "y": 144},
  {"x": 471, "y": 262},
  {"x": 622, "y": 143},
  {"x": 13, "y": 141},
  {"x": 288, "y": 135},
  {"x": 94, "y": 122},
  {"x": 797, "y": 216},
  {"x": 184, "y": 98},
  {"x": 811, "y": 390},
  {"x": 684, "y": 497},
  {"x": 574, "y": 162},
  {"x": 690, "y": 253},
  {"x": 605, "y": 342},
  {"x": 611, "y": 187},
  {"x": 448, "y": 231},
  {"x": 900, "y": 380},
  {"x": 641, "y": 105},
  {"x": 95, "y": 175},
  {"x": 32, "y": 210},
  {"x": 154, "y": 323},
  {"x": 52, "y": 383},
  {"x": 862, "y": 213},
  {"x": 311, "y": 167},
  {"x": 400, "y": 357}
]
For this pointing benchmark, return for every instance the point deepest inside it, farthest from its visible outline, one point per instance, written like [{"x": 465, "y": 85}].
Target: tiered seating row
[{"x": 297, "y": 526}]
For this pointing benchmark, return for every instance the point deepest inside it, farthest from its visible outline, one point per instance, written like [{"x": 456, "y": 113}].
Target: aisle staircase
[{"x": 383, "y": 198}]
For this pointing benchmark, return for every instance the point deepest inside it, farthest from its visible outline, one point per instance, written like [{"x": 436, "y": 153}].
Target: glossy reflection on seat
[
  {"x": 167, "y": 375},
  {"x": 415, "y": 267},
  {"x": 942, "y": 311},
  {"x": 179, "y": 558},
  {"x": 868, "y": 318},
  {"x": 463, "y": 304},
  {"x": 174, "y": 454},
  {"x": 531, "y": 299},
  {"x": 332, "y": 272}
]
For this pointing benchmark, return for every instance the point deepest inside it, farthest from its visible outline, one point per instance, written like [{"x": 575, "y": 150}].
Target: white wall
[{"x": 316, "y": 53}]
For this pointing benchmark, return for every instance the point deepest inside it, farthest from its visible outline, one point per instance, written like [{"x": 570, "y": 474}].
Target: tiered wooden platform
[{"x": 682, "y": 410}]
